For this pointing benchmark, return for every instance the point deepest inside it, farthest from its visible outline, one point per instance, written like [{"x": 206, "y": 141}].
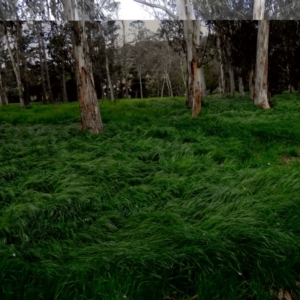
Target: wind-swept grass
[{"x": 158, "y": 206}]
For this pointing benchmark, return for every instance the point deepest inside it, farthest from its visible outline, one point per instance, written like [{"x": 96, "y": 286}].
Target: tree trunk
[
  {"x": 49, "y": 90},
  {"x": 259, "y": 9},
  {"x": 112, "y": 97},
  {"x": 222, "y": 70},
  {"x": 261, "y": 71},
  {"x": 124, "y": 61},
  {"x": 241, "y": 86},
  {"x": 193, "y": 64},
  {"x": 63, "y": 84},
  {"x": 191, "y": 26},
  {"x": 231, "y": 78},
  {"x": 16, "y": 67},
  {"x": 140, "y": 79},
  {"x": 162, "y": 89},
  {"x": 44, "y": 99},
  {"x": 184, "y": 79},
  {"x": 202, "y": 82},
  {"x": 88, "y": 102},
  {"x": 3, "y": 95},
  {"x": 168, "y": 81}
]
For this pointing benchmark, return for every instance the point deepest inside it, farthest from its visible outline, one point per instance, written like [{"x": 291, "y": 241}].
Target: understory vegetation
[{"x": 158, "y": 206}]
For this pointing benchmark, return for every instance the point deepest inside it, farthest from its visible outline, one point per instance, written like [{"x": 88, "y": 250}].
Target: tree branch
[{"x": 158, "y": 6}]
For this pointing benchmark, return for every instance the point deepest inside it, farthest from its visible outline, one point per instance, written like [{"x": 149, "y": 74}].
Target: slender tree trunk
[
  {"x": 49, "y": 89},
  {"x": 203, "y": 82},
  {"x": 222, "y": 70},
  {"x": 231, "y": 78},
  {"x": 140, "y": 79},
  {"x": 169, "y": 85},
  {"x": 88, "y": 102},
  {"x": 184, "y": 77},
  {"x": 112, "y": 97},
  {"x": 63, "y": 83},
  {"x": 261, "y": 70},
  {"x": 16, "y": 67},
  {"x": 241, "y": 86},
  {"x": 3, "y": 95},
  {"x": 259, "y": 9},
  {"x": 124, "y": 60},
  {"x": 44, "y": 98},
  {"x": 251, "y": 83},
  {"x": 162, "y": 89}
]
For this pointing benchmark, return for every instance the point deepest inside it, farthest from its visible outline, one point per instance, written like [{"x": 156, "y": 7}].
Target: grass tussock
[{"x": 158, "y": 206}]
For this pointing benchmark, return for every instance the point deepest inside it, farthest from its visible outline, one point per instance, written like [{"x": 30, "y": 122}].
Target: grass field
[{"x": 158, "y": 206}]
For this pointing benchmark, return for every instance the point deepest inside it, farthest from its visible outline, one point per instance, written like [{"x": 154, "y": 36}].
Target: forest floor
[{"x": 159, "y": 206}]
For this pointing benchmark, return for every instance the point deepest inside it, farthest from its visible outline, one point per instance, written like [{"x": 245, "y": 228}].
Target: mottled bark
[
  {"x": 192, "y": 38},
  {"x": 261, "y": 70},
  {"x": 258, "y": 9},
  {"x": 88, "y": 102}
]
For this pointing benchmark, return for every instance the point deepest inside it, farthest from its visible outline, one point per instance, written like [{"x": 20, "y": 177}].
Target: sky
[{"x": 131, "y": 10}]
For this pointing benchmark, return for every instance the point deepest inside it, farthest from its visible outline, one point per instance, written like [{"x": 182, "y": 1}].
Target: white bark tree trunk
[
  {"x": 261, "y": 70},
  {"x": 88, "y": 102},
  {"x": 49, "y": 90},
  {"x": 162, "y": 89},
  {"x": 192, "y": 38},
  {"x": 16, "y": 67},
  {"x": 112, "y": 97},
  {"x": 185, "y": 12},
  {"x": 191, "y": 26},
  {"x": 259, "y": 9},
  {"x": 124, "y": 60},
  {"x": 140, "y": 80}
]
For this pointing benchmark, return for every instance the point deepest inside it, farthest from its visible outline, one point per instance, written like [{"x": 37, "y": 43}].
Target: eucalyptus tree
[
  {"x": 191, "y": 27},
  {"x": 260, "y": 96},
  {"x": 12, "y": 36}
]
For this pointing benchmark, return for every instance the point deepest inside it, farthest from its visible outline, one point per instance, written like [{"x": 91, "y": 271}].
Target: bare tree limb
[{"x": 165, "y": 9}]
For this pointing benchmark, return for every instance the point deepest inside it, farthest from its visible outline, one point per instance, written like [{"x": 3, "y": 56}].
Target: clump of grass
[{"x": 159, "y": 204}]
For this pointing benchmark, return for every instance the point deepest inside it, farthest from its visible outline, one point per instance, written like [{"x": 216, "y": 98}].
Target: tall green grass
[{"x": 158, "y": 206}]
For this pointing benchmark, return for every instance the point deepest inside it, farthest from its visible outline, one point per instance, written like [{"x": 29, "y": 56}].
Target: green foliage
[{"x": 159, "y": 205}]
